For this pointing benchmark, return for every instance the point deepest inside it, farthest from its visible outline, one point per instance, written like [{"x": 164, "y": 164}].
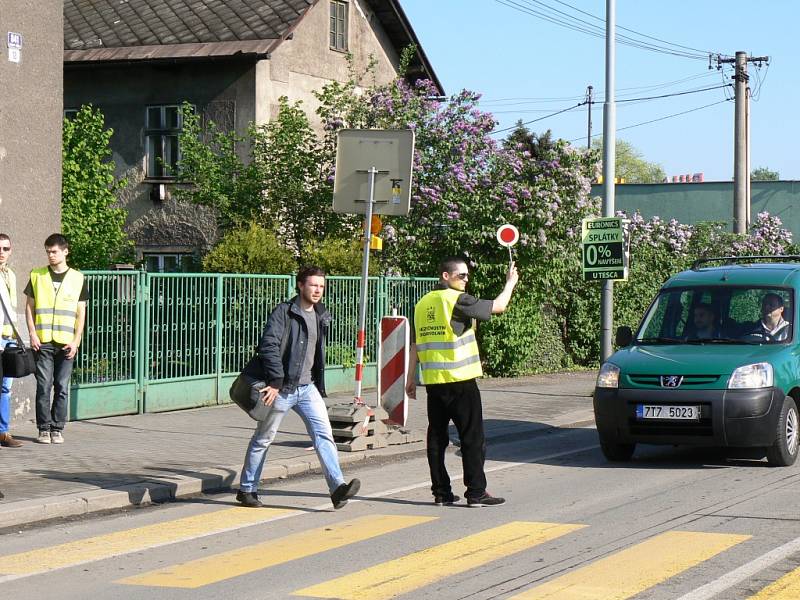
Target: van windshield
[{"x": 719, "y": 315}]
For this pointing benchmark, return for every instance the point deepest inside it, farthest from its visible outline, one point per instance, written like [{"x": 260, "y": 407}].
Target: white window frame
[
  {"x": 160, "y": 133},
  {"x": 339, "y": 28}
]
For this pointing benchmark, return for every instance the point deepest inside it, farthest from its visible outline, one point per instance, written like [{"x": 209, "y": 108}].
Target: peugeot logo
[{"x": 671, "y": 381}]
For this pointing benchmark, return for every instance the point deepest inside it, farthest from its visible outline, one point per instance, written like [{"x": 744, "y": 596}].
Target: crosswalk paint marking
[
  {"x": 219, "y": 567},
  {"x": 6, "y": 576},
  {"x": 714, "y": 588},
  {"x": 418, "y": 569},
  {"x": 635, "y": 569},
  {"x": 118, "y": 543},
  {"x": 785, "y": 588}
]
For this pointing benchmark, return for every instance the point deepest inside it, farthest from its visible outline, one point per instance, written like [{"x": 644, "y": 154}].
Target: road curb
[{"x": 219, "y": 479}]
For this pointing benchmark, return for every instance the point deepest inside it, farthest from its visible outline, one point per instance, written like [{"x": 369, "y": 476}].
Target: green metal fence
[{"x": 156, "y": 342}]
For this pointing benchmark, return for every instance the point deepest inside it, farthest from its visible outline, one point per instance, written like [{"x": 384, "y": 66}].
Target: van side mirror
[{"x": 624, "y": 336}]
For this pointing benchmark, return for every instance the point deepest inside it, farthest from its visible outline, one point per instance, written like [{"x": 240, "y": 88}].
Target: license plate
[{"x": 675, "y": 413}]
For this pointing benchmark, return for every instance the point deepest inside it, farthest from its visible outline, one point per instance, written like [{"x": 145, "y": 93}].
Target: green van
[{"x": 713, "y": 363}]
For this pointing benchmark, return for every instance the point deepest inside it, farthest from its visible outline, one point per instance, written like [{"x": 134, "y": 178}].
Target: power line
[
  {"x": 636, "y": 100},
  {"x": 632, "y": 30},
  {"x": 558, "y": 112},
  {"x": 583, "y": 26},
  {"x": 520, "y": 100},
  {"x": 677, "y": 114}
]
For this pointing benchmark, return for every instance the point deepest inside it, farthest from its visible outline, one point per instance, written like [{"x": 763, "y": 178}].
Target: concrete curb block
[
  {"x": 26, "y": 512},
  {"x": 218, "y": 479}
]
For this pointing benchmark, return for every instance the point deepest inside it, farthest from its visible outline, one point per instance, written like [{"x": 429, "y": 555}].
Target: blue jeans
[
  {"x": 53, "y": 371},
  {"x": 5, "y": 392},
  {"x": 306, "y": 402}
]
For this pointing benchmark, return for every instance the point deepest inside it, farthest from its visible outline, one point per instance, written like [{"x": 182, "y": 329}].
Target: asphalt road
[{"x": 674, "y": 523}]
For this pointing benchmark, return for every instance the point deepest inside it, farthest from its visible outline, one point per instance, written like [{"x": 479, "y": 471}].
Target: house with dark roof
[{"x": 138, "y": 60}]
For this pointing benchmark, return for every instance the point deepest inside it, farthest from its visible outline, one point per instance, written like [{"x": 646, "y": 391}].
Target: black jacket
[{"x": 283, "y": 372}]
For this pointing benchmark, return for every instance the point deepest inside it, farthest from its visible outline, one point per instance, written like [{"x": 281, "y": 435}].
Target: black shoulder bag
[
  {"x": 18, "y": 360},
  {"x": 247, "y": 396}
]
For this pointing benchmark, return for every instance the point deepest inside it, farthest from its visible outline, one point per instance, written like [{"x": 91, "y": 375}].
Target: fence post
[
  {"x": 220, "y": 282},
  {"x": 142, "y": 337}
]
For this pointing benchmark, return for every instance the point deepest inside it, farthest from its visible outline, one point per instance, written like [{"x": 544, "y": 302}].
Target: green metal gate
[{"x": 156, "y": 342}]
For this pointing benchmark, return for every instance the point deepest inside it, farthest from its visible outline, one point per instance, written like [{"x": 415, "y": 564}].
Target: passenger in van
[
  {"x": 772, "y": 325},
  {"x": 705, "y": 322}
]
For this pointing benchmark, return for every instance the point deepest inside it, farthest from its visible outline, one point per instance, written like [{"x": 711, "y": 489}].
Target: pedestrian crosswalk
[{"x": 622, "y": 571}]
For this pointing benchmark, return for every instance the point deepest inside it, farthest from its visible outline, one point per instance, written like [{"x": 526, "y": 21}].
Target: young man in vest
[
  {"x": 56, "y": 313},
  {"x": 9, "y": 281},
  {"x": 447, "y": 351},
  {"x": 288, "y": 369}
]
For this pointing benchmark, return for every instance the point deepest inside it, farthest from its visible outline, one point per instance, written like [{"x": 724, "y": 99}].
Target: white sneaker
[
  {"x": 56, "y": 437},
  {"x": 44, "y": 437}
]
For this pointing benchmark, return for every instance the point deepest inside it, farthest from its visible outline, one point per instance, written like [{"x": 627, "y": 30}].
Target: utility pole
[
  {"x": 741, "y": 138},
  {"x": 609, "y": 165},
  {"x": 589, "y": 91}
]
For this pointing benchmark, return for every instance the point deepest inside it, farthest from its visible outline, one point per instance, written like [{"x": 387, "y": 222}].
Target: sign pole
[
  {"x": 362, "y": 306},
  {"x": 609, "y": 160}
]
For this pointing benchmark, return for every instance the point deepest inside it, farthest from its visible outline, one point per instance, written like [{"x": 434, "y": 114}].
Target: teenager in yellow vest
[
  {"x": 447, "y": 351},
  {"x": 9, "y": 281},
  {"x": 55, "y": 312}
]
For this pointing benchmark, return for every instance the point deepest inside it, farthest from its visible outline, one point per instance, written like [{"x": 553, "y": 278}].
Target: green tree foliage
[
  {"x": 631, "y": 165},
  {"x": 340, "y": 256},
  {"x": 250, "y": 249},
  {"x": 212, "y": 173},
  {"x": 93, "y": 226},
  {"x": 764, "y": 174}
]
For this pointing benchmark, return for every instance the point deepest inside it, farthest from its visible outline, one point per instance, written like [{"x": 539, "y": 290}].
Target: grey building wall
[
  {"x": 223, "y": 91},
  {"x": 709, "y": 201},
  {"x": 306, "y": 62},
  {"x": 30, "y": 145}
]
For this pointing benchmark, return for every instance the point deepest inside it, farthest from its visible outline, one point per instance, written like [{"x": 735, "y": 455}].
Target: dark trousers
[
  {"x": 53, "y": 371},
  {"x": 459, "y": 402}
]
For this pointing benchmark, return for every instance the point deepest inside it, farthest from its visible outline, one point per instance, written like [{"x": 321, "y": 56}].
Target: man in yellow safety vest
[
  {"x": 56, "y": 313},
  {"x": 447, "y": 351},
  {"x": 9, "y": 280}
]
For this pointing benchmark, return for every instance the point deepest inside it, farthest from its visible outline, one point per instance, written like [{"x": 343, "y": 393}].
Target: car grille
[{"x": 655, "y": 380}]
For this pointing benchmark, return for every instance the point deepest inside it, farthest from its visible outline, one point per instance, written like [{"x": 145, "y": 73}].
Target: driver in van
[
  {"x": 772, "y": 325},
  {"x": 704, "y": 320}
]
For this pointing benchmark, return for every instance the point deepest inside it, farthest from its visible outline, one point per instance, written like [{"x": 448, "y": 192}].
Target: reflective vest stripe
[
  {"x": 450, "y": 365},
  {"x": 467, "y": 338},
  {"x": 62, "y": 313}
]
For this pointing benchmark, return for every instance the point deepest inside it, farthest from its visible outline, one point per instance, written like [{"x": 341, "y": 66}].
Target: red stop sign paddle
[{"x": 507, "y": 235}]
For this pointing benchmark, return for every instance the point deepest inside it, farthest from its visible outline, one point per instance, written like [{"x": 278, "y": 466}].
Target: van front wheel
[
  {"x": 783, "y": 451},
  {"x": 615, "y": 451}
]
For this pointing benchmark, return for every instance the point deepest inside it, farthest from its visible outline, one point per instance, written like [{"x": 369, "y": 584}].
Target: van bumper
[{"x": 734, "y": 418}]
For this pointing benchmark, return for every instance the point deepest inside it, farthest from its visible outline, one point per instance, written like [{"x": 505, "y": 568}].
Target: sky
[{"x": 526, "y": 68}]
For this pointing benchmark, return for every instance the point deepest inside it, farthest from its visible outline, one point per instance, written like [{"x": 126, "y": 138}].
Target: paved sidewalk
[{"x": 123, "y": 461}]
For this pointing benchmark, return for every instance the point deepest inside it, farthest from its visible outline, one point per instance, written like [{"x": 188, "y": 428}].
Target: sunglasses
[
  {"x": 5, "y": 248},
  {"x": 461, "y": 276}
]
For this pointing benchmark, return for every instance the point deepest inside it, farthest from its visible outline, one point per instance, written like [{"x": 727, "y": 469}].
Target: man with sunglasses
[
  {"x": 9, "y": 281},
  {"x": 447, "y": 351}
]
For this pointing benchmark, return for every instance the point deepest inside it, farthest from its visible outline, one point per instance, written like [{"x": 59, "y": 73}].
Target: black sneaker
[
  {"x": 486, "y": 500},
  {"x": 446, "y": 500},
  {"x": 248, "y": 499},
  {"x": 344, "y": 492}
]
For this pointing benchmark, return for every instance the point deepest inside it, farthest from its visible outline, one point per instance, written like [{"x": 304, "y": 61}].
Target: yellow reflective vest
[
  {"x": 10, "y": 281},
  {"x": 56, "y": 313},
  {"x": 443, "y": 356}
]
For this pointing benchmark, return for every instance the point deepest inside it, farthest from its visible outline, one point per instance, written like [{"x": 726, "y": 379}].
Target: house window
[
  {"x": 163, "y": 126},
  {"x": 70, "y": 113},
  {"x": 169, "y": 263},
  {"x": 339, "y": 25}
]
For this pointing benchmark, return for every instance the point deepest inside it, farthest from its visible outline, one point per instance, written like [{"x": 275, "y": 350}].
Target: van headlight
[
  {"x": 608, "y": 377},
  {"x": 758, "y": 375}
]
